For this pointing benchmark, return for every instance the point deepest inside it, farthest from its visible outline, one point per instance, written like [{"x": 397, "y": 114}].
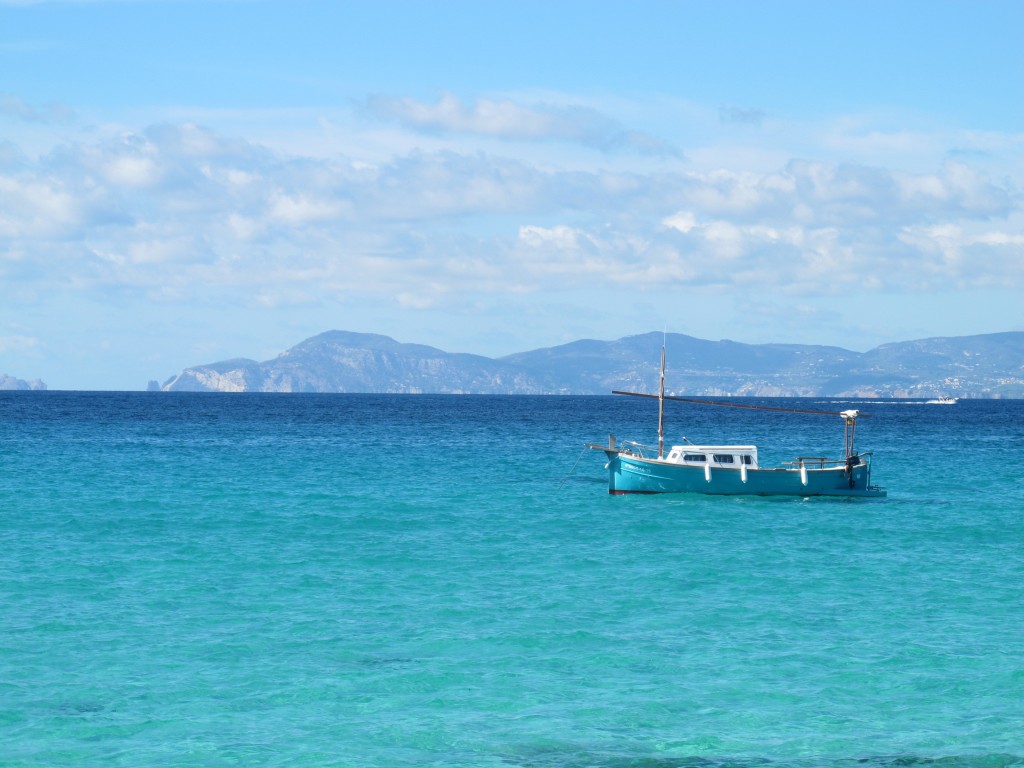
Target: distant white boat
[{"x": 942, "y": 401}]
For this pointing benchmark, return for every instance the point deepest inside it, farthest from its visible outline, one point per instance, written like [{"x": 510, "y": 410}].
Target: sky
[{"x": 187, "y": 182}]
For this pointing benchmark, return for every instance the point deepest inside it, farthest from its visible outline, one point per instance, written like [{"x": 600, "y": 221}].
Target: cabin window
[
  {"x": 724, "y": 458},
  {"x": 697, "y": 457},
  {"x": 747, "y": 459}
]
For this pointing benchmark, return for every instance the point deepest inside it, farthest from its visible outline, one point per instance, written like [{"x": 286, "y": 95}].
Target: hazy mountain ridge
[
  {"x": 339, "y": 361},
  {"x": 990, "y": 365},
  {"x": 11, "y": 383}
]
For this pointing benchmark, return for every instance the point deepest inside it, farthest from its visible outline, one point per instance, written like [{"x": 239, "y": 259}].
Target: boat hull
[{"x": 635, "y": 474}]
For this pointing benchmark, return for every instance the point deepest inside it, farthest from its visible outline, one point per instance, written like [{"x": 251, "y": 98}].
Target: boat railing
[
  {"x": 811, "y": 461},
  {"x": 822, "y": 462},
  {"x": 633, "y": 448}
]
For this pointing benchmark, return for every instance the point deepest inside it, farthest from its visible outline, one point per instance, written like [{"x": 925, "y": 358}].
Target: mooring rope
[{"x": 564, "y": 479}]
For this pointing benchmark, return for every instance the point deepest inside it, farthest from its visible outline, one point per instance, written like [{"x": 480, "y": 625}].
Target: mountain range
[{"x": 984, "y": 366}]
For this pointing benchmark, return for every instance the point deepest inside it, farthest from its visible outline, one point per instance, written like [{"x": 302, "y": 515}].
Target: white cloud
[
  {"x": 131, "y": 171},
  {"x": 17, "y": 343},
  {"x": 560, "y": 237},
  {"x": 424, "y": 298},
  {"x": 52, "y": 112},
  {"x": 684, "y": 221},
  {"x": 741, "y": 115},
  {"x": 35, "y": 206},
  {"x": 1000, "y": 238},
  {"x": 301, "y": 209},
  {"x": 507, "y": 119}
]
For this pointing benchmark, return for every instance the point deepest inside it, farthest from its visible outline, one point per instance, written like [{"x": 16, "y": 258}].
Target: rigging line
[
  {"x": 585, "y": 449},
  {"x": 733, "y": 405}
]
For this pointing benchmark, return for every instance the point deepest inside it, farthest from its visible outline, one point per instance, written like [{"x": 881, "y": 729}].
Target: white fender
[
  {"x": 743, "y": 473},
  {"x": 707, "y": 472},
  {"x": 803, "y": 474}
]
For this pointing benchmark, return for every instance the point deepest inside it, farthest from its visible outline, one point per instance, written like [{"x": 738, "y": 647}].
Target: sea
[{"x": 422, "y": 580}]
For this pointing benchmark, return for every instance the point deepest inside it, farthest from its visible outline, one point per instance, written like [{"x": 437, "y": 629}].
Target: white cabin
[{"x": 725, "y": 456}]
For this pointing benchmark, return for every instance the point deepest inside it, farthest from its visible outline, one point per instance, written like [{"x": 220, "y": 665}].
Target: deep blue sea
[{"x": 364, "y": 580}]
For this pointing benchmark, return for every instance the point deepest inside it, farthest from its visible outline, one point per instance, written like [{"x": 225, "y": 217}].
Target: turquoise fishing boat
[{"x": 727, "y": 470}]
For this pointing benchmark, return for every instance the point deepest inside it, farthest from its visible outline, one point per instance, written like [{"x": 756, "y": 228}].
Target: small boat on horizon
[
  {"x": 727, "y": 470},
  {"x": 942, "y": 401}
]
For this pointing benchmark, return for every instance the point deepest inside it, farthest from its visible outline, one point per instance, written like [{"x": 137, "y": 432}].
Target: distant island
[
  {"x": 983, "y": 366},
  {"x": 9, "y": 383}
]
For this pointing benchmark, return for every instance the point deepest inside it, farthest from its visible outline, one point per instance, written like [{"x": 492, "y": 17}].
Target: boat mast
[
  {"x": 850, "y": 417},
  {"x": 661, "y": 406}
]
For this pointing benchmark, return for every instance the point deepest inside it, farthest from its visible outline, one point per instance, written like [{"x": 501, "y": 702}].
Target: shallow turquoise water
[{"x": 212, "y": 580}]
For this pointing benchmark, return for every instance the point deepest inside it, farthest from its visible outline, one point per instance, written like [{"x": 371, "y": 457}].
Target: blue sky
[{"x": 184, "y": 182}]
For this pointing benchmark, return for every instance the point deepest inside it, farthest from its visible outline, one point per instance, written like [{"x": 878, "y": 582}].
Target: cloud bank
[{"x": 175, "y": 211}]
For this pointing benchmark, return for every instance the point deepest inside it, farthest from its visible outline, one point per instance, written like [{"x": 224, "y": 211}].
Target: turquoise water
[{"x": 347, "y": 580}]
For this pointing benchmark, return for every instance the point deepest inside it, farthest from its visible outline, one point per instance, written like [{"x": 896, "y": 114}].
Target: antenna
[{"x": 661, "y": 405}]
